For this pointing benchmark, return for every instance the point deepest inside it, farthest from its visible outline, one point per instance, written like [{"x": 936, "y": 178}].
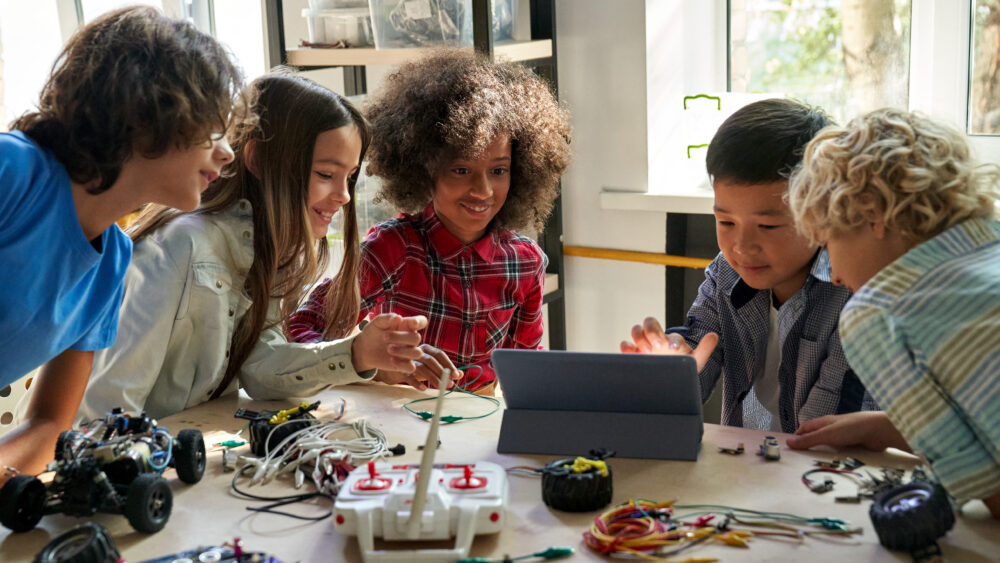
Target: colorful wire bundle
[
  {"x": 652, "y": 531},
  {"x": 642, "y": 527}
]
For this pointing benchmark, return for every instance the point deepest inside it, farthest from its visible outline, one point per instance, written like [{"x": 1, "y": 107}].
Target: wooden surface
[{"x": 206, "y": 513}]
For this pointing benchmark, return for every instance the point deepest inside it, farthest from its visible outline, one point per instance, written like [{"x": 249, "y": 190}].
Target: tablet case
[{"x": 568, "y": 403}]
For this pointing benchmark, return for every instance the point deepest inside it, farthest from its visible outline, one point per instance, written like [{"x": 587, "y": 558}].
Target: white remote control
[
  {"x": 462, "y": 501},
  {"x": 422, "y": 502}
]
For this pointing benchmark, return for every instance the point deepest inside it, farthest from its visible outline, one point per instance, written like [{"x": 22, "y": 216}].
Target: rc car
[{"x": 113, "y": 464}]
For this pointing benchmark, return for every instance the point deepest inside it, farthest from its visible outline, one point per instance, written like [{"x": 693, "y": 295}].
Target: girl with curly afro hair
[{"x": 469, "y": 151}]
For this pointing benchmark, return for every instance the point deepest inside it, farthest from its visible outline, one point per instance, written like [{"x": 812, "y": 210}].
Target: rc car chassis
[{"x": 113, "y": 464}]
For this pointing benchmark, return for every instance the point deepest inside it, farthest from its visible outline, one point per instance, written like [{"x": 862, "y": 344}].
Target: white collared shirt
[{"x": 184, "y": 295}]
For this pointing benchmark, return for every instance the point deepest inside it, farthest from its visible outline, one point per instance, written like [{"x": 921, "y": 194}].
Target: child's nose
[
  {"x": 341, "y": 193},
  {"x": 481, "y": 185},
  {"x": 746, "y": 243},
  {"x": 224, "y": 152}
]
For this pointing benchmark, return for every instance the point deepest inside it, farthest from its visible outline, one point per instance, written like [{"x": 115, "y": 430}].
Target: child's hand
[
  {"x": 432, "y": 364},
  {"x": 427, "y": 373},
  {"x": 651, "y": 339},
  {"x": 389, "y": 342},
  {"x": 870, "y": 429}
]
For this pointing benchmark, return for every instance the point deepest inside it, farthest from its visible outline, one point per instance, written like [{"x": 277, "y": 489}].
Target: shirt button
[
  {"x": 227, "y": 353},
  {"x": 231, "y": 312},
  {"x": 244, "y": 205},
  {"x": 246, "y": 234},
  {"x": 332, "y": 366},
  {"x": 341, "y": 365},
  {"x": 218, "y": 283}
]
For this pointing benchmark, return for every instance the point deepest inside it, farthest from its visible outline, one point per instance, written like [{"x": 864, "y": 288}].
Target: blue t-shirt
[{"x": 57, "y": 292}]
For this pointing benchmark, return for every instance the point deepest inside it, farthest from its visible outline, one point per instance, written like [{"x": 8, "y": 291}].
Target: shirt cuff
[{"x": 968, "y": 473}]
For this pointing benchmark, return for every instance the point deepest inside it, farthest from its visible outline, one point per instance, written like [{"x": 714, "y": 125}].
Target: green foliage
[{"x": 795, "y": 47}]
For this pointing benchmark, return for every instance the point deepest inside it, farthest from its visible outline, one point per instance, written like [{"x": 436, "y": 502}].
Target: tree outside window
[
  {"x": 845, "y": 56},
  {"x": 984, "y": 91}
]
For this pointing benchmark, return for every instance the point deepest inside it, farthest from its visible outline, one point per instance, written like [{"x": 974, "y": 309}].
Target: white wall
[{"x": 602, "y": 77}]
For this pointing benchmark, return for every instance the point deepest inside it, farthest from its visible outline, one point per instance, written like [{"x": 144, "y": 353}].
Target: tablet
[{"x": 567, "y": 403}]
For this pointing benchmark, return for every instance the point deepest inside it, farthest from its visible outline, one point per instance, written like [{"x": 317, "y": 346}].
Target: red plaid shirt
[{"x": 476, "y": 297}]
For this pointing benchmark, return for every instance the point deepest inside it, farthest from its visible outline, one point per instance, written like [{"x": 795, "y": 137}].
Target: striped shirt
[
  {"x": 924, "y": 335},
  {"x": 814, "y": 378},
  {"x": 476, "y": 297}
]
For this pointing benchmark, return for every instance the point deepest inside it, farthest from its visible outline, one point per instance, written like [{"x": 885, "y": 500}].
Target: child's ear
[
  {"x": 250, "y": 156},
  {"x": 878, "y": 228}
]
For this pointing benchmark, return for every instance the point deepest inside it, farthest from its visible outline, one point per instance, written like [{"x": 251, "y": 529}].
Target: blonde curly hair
[{"x": 912, "y": 173}]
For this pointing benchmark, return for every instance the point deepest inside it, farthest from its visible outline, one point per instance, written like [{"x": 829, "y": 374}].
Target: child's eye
[
  {"x": 726, "y": 223},
  {"x": 769, "y": 227},
  {"x": 500, "y": 171},
  {"x": 460, "y": 170},
  {"x": 324, "y": 175}
]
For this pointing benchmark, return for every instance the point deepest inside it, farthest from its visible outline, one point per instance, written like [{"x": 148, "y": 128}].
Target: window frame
[{"x": 939, "y": 86}]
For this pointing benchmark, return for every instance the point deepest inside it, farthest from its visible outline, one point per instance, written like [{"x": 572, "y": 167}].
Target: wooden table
[{"x": 208, "y": 514}]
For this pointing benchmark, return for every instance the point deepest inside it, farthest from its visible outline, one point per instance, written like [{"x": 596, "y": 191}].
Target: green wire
[
  {"x": 548, "y": 554},
  {"x": 828, "y": 523},
  {"x": 448, "y": 419}
]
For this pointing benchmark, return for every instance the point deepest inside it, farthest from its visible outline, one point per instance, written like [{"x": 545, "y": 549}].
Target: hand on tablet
[{"x": 651, "y": 339}]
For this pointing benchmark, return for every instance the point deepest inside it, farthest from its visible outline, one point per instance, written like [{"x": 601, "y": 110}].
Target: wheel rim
[
  {"x": 906, "y": 500},
  {"x": 156, "y": 503},
  {"x": 69, "y": 547}
]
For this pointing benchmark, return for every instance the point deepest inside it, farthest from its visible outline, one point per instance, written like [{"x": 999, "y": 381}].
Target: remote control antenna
[{"x": 427, "y": 461}]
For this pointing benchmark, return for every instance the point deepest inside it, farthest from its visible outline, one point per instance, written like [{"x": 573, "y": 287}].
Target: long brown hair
[{"x": 291, "y": 111}]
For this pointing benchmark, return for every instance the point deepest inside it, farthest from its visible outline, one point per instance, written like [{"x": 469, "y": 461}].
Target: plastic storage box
[
  {"x": 350, "y": 26},
  {"x": 422, "y": 23}
]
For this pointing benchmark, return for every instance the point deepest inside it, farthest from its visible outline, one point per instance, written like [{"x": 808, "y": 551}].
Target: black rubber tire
[
  {"x": 22, "y": 503},
  {"x": 86, "y": 543},
  {"x": 148, "y": 503},
  {"x": 189, "y": 456},
  {"x": 575, "y": 492},
  {"x": 911, "y": 516}
]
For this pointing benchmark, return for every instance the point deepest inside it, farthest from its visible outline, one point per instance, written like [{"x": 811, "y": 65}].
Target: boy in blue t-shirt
[
  {"x": 134, "y": 112},
  {"x": 767, "y": 299}
]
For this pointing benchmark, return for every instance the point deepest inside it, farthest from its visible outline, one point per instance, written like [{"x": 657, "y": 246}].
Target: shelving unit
[
  {"x": 539, "y": 53},
  {"x": 508, "y": 50}
]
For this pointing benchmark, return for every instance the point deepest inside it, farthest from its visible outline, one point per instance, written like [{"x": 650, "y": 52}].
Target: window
[
  {"x": 984, "y": 87},
  {"x": 32, "y": 35},
  {"x": 31, "y": 38},
  {"x": 845, "y": 57}
]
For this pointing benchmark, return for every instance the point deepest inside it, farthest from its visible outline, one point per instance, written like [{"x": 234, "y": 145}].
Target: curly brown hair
[
  {"x": 453, "y": 104},
  {"x": 131, "y": 81}
]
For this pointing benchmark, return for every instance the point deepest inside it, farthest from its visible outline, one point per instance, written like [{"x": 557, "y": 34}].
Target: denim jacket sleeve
[{"x": 277, "y": 368}]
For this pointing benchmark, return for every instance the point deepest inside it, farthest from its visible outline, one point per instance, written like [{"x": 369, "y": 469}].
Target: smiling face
[
  {"x": 177, "y": 178},
  {"x": 336, "y": 157},
  {"x": 758, "y": 237},
  {"x": 469, "y": 193}
]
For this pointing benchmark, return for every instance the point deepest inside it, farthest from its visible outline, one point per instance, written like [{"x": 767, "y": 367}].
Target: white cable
[{"x": 316, "y": 445}]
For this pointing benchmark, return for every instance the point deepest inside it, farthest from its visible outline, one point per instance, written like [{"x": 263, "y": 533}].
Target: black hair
[{"x": 763, "y": 142}]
